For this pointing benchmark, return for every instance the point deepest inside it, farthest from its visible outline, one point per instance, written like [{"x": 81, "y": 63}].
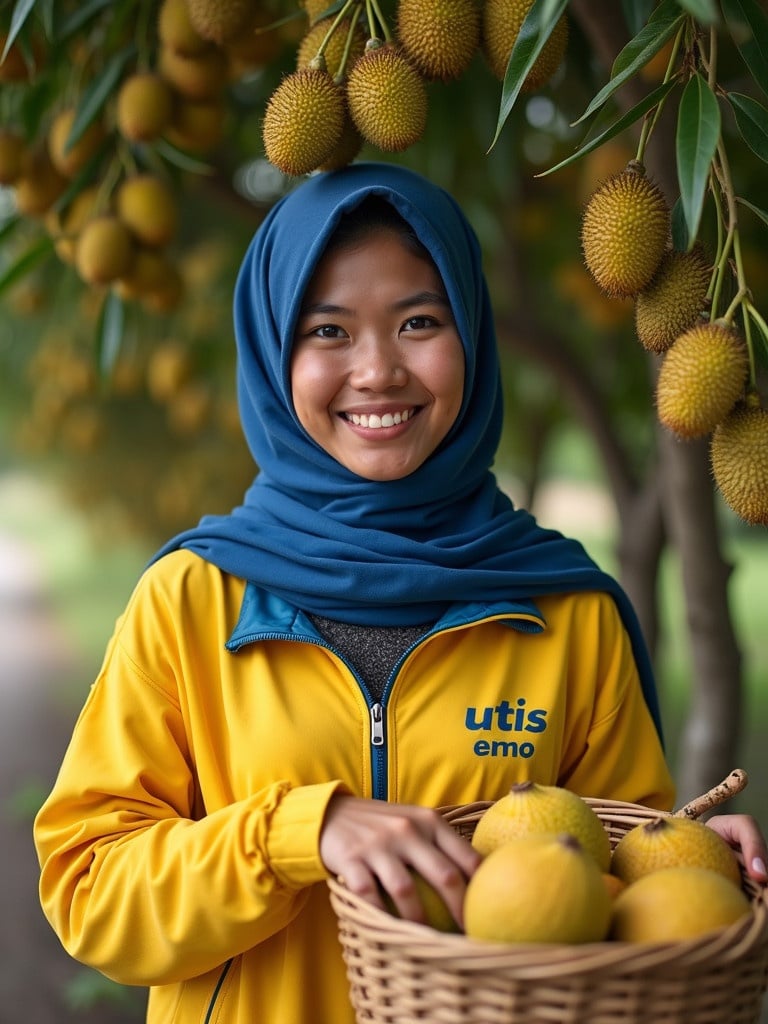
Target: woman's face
[{"x": 377, "y": 369}]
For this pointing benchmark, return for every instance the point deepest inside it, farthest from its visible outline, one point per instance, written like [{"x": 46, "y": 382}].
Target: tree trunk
[{"x": 711, "y": 737}]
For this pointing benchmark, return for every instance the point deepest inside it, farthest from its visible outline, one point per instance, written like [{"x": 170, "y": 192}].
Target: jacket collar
[{"x": 264, "y": 616}]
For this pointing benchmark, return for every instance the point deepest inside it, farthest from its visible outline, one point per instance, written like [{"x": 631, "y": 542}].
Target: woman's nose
[{"x": 377, "y": 365}]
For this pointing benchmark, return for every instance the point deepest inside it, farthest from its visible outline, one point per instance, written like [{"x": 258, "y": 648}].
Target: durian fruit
[
  {"x": 197, "y": 125},
  {"x": 439, "y": 37},
  {"x": 702, "y": 376},
  {"x": 201, "y": 77},
  {"x": 104, "y": 250},
  {"x": 347, "y": 148},
  {"x": 176, "y": 31},
  {"x": 303, "y": 121},
  {"x": 624, "y": 232},
  {"x": 39, "y": 184},
  {"x": 673, "y": 300},
  {"x": 144, "y": 107},
  {"x": 220, "y": 20},
  {"x": 387, "y": 98},
  {"x": 12, "y": 148},
  {"x": 147, "y": 206},
  {"x": 336, "y": 47},
  {"x": 500, "y": 27},
  {"x": 739, "y": 458},
  {"x": 70, "y": 159}
]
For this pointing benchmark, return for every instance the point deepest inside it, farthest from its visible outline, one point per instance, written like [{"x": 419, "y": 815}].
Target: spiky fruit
[
  {"x": 144, "y": 107},
  {"x": 175, "y": 29},
  {"x": 624, "y": 232},
  {"x": 201, "y": 77},
  {"x": 501, "y": 23},
  {"x": 673, "y": 300},
  {"x": 336, "y": 47},
  {"x": 11, "y": 155},
  {"x": 387, "y": 99},
  {"x": 39, "y": 185},
  {"x": 104, "y": 250},
  {"x": 70, "y": 158},
  {"x": 701, "y": 379},
  {"x": 532, "y": 808},
  {"x": 347, "y": 148},
  {"x": 303, "y": 121},
  {"x": 146, "y": 205},
  {"x": 739, "y": 455},
  {"x": 219, "y": 20},
  {"x": 197, "y": 125},
  {"x": 667, "y": 842},
  {"x": 439, "y": 37},
  {"x": 65, "y": 227}
]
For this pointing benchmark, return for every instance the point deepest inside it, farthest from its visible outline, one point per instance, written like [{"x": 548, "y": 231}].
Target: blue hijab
[{"x": 369, "y": 552}]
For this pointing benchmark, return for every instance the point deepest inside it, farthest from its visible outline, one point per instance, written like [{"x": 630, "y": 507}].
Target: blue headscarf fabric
[{"x": 370, "y": 552}]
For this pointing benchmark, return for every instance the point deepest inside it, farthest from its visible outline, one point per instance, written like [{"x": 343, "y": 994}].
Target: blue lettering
[
  {"x": 536, "y": 720},
  {"x": 485, "y": 723}
]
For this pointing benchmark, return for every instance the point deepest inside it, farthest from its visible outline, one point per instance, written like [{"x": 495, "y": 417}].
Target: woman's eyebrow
[
  {"x": 421, "y": 299},
  {"x": 326, "y": 308}
]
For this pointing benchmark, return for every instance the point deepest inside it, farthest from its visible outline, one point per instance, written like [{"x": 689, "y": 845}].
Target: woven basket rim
[{"x": 530, "y": 960}]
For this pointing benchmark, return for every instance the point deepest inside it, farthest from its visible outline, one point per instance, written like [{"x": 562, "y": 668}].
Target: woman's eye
[
  {"x": 419, "y": 323},
  {"x": 328, "y": 331}
]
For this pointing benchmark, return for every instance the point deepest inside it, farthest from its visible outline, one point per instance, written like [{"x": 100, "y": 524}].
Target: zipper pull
[{"x": 377, "y": 725}]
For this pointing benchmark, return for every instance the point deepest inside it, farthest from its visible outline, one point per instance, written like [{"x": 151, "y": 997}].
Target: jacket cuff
[{"x": 294, "y": 834}]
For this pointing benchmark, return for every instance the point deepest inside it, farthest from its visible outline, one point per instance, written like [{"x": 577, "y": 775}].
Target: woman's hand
[
  {"x": 372, "y": 844},
  {"x": 742, "y": 832}
]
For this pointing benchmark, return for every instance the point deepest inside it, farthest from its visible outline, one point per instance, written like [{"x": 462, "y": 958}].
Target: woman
[{"x": 374, "y": 633}]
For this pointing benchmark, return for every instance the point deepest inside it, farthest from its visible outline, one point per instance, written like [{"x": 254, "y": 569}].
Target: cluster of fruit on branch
[
  {"x": 549, "y": 874},
  {"x": 358, "y": 79}
]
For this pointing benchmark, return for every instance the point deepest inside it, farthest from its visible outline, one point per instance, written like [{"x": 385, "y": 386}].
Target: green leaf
[
  {"x": 21, "y": 12},
  {"x": 80, "y": 17},
  {"x": 636, "y": 14},
  {"x": 109, "y": 332},
  {"x": 35, "y": 255},
  {"x": 755, "y": 209},
  {"x": 665, "y": 21},
  {"x": 651, "y": 100},
  {"x": 179, "y": 158},
  {"x": 679, "y": 228},
  {"x": 747, "y": 22},
  {"x": 98, "y": 92},
  {"x": 531, "y": 39},
  {"x": 698, "y": 132},
  {"x": 752, "y": 122},
  {"x": 704, "y": 11}
]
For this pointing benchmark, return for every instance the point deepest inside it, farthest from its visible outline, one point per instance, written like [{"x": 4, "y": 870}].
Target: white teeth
[{"x": 374, "y": 422}]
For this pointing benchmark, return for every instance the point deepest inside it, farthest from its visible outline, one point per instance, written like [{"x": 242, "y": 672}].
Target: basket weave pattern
[{"x": 401, "y": 972}]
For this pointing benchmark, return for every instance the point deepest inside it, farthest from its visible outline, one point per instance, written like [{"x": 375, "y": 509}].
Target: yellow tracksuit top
[{"x": 180, "y": 844}]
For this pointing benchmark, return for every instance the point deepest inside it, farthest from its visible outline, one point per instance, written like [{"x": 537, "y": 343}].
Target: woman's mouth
[{"x": 374, "y": 421}]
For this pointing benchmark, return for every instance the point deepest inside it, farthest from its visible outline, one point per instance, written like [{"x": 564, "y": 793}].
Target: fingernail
[{"x": 758, "y": 866}]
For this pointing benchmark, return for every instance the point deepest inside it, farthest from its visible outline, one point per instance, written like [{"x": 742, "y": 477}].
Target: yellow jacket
[{"x": 179, "y": 847}]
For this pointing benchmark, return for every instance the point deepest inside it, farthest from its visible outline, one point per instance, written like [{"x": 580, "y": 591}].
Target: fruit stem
[
  {"x": 649, "y": 122},
  {"x": 353, "y": 18},
  {"x": 374, "y": 16},
  {"x": 336, "y": 22}
]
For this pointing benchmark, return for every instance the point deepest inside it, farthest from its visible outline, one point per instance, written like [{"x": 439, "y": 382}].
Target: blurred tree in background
[{"x": 135, "y": 166}]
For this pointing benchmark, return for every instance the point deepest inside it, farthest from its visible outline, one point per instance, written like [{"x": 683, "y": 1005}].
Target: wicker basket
[{"x": 401, "y": 972}]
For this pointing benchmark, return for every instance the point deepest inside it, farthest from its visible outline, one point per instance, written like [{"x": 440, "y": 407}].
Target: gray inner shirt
[{"x": 372, "y": 650}]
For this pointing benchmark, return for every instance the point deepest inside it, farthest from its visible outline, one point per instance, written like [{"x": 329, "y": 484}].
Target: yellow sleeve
[
  {"x": 137, "y": 880},
  {"x": 622, "y": 757}
]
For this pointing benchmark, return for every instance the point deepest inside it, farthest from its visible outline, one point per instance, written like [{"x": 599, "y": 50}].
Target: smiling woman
[
  {"x": 374, "y": 633},
  {"x": 377, "y": 372}
]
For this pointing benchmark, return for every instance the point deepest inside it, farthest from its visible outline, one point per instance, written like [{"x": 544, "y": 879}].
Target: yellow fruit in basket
[
  {"x": 538, "y": 888},
  {"x": 530, "y": 808},
  {"x": 613, "y": 884},
  {"x": 666, "y": 842},
  {"x": 437, "y": 913},
  {"x": 675, "y": 904}
]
